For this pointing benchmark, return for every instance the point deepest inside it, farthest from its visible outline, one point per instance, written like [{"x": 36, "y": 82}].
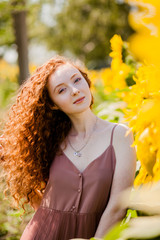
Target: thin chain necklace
[{"x": 78, "y": 153}]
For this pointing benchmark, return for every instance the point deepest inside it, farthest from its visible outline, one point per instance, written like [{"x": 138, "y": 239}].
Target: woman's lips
[{"x": 79, "y": 100}]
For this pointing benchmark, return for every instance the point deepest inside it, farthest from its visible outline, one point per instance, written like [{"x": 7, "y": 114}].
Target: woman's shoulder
[
  {"x": 123, "y": 142},
  {"x": 120, "y": 128},
  {"x": 104, "y": 124},
  {"x": 122, "y": 132}
]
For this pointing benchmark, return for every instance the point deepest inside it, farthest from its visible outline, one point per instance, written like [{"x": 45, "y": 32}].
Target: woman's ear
[
  {"x": 92, "y": 100},
  {"x": 55, "y": 107}
]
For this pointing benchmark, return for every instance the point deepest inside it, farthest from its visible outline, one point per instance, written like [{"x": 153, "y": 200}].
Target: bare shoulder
[
  {"x": 104, "y": 125},
  {"x": 121, "y": 130},
  {"x": 123, "y": 144},
  {"x": 122, "y": 134}
]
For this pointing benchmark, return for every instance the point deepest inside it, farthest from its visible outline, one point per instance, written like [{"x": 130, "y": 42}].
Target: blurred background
[{"x": 116, "y": 41}]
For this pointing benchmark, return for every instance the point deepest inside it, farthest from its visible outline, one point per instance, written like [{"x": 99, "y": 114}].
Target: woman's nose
[{"x": 74, "y": 91}]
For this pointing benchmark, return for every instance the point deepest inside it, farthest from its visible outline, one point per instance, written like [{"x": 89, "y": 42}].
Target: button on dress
[{"x": 73, "y": 201}]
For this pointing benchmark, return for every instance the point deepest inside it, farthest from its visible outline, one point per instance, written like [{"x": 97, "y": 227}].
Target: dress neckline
[{"x": 91, "y": 163}]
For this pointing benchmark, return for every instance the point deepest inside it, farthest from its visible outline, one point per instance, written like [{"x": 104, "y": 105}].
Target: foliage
[
  {"x": 34, "y": 19},
  {"x": 83, "y": 28},
  {"x": 6, "y": 30},
  {"x": 11, "y": 225},
  {"x": 8, "y": 82},
  {"x": 115, "y": 232},
  {"x": 61, "y": 32}
]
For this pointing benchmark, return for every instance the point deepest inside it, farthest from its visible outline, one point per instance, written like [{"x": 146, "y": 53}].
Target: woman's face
[{"x": 69, "y": 90}]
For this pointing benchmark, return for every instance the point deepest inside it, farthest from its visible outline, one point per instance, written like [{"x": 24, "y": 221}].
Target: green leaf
[{"x": 116, "y": 231}]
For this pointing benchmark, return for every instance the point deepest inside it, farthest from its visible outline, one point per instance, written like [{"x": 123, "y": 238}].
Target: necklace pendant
[{"x": 77, "y": 154}]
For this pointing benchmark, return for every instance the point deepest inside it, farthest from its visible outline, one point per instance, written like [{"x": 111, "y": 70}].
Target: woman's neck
[{"x": 82, "y": 124}]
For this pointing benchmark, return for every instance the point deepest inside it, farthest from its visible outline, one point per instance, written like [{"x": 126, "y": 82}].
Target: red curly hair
[{"x": 33, "y": 134}]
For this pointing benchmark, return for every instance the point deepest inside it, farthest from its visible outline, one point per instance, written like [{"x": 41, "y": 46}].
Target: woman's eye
[
  {"x": 61, "y": 90},
  {"x": 77, "y": 80}
]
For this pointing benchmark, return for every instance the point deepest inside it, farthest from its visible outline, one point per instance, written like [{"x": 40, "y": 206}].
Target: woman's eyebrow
[
  {"x": 63, "y": 83},
  {"x": 73, "y": 75}
]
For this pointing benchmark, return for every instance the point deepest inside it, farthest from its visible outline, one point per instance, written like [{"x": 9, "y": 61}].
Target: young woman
[{"x": 66, "y": 162}]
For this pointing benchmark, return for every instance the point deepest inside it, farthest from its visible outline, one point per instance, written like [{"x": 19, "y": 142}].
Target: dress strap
[{"x": 112, "y": 133}]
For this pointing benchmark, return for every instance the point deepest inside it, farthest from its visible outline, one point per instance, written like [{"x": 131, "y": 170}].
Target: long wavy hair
[{"x": 33, "y": 133}]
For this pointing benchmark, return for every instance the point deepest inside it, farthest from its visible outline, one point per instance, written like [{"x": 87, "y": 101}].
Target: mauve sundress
[{"x": 73, "y": 201}]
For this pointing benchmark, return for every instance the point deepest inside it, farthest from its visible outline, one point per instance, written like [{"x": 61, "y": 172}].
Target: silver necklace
[{"x": 78, "y": 153}]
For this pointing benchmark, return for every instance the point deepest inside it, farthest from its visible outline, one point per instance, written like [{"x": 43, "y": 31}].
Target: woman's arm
[{"x": 123, "y": 178}]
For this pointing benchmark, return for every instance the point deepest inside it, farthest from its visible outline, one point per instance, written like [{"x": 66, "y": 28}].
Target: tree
[
  {"x": 16, "y": 19},
  {"x": 84, "y": 27},
  {"x": 14, "y": 31},
  {"x": 20, "y": 29}
]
